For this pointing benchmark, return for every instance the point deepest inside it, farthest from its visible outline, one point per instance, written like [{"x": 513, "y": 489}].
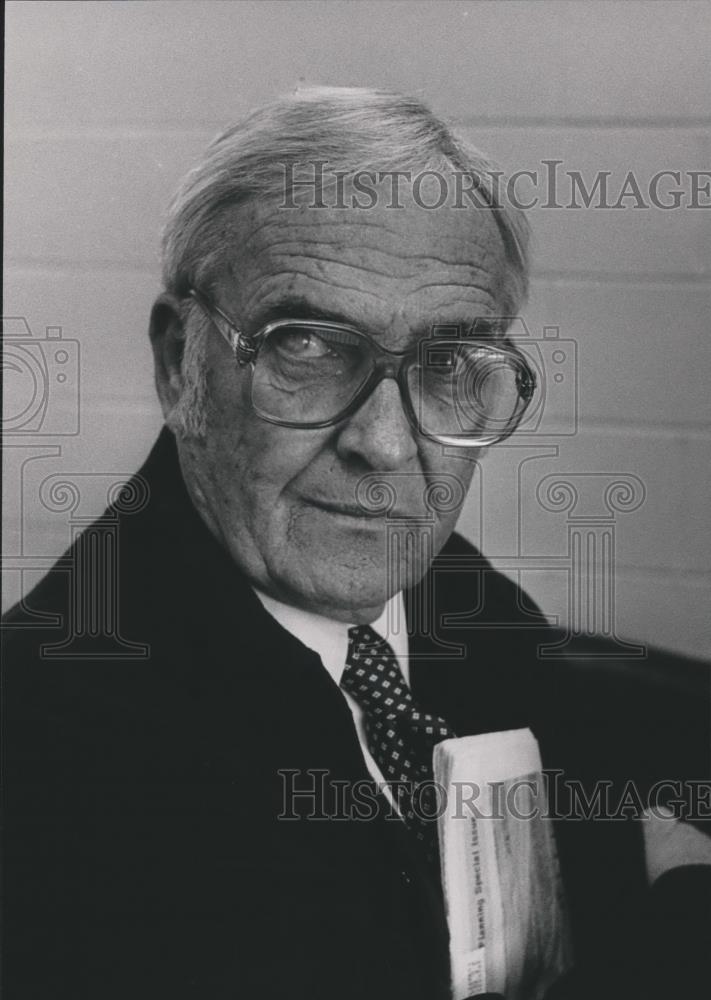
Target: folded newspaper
[{"x": 502, "y": 885}]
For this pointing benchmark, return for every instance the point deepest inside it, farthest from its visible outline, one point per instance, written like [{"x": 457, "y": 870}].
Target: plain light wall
[{"x": 108, "y": 104}]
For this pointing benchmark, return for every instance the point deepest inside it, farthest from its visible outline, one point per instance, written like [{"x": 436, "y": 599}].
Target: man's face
[{"x": 283, "y": 500}]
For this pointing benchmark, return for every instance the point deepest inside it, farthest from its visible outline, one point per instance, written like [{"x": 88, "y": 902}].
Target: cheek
[{"x": 252, "y": 465}]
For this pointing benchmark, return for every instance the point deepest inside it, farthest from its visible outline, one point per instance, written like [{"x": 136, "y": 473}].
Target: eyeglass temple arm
[{"x": 242, "y": 347}]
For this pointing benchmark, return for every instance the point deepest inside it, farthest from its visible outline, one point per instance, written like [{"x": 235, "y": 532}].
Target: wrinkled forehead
[{"x": 391, "y": 270}]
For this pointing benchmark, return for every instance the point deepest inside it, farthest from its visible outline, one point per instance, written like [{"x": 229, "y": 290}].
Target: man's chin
[
  {"x": 335, "y": 594},
  {"x": 351, "y": 591}
]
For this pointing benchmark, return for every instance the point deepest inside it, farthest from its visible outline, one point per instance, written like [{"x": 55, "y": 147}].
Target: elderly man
[{"x": 331, "y": 361}]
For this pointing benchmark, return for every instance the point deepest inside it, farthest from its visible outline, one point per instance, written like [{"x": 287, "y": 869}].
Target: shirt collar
[{"x": 329, "y": 638}]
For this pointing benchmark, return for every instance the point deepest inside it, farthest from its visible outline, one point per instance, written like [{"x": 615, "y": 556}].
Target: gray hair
[{"x": 353, "y": 130}]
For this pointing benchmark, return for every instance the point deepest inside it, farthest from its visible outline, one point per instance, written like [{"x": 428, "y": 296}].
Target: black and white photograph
[{"x": 356, "y": 559}]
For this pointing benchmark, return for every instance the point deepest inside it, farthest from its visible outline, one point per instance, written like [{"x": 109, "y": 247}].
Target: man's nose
[{"x": 379, "y": 433}]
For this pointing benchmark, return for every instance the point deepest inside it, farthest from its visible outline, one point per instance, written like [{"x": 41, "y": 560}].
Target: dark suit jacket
[{"x": 144, "y": 854}]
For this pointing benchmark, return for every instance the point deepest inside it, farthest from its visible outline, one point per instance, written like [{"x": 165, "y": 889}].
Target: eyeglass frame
[{"x": 387, "y": 364}]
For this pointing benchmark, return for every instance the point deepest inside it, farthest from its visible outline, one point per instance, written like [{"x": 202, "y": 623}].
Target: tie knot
[
  {"x": 364, "y": 641},
  {"x": 372, "y": 673}
]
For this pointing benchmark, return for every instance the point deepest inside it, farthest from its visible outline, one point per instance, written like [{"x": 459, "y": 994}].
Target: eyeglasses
[{"x": 465, "y": 392}]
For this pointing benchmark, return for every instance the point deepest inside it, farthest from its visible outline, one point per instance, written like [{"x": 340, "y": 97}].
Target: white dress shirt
[{"x": 329, "y": 639}]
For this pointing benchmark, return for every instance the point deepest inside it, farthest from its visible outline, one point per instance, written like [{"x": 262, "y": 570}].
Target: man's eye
[{"x": 302, "y": 344}]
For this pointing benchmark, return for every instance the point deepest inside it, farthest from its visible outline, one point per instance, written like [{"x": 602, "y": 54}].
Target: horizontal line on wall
[
  {"x": 142, "y": 402},
  {"x": 700, "y": 429},
  {"x": 207, "y": 132},
  {"x": 584, "y": 121},
  {"x": 620, "y": 278},
  {"x": 74, "y": 265},
  {"x": 144, "y": 128},
  {"x": 695, "y": 577}
]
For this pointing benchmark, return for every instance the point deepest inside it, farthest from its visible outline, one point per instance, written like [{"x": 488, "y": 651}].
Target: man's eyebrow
[{"x": 297, "y": 307}]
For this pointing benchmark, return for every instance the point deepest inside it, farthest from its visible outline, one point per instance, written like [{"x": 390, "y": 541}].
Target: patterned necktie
[{"x": 400, "y": 737}]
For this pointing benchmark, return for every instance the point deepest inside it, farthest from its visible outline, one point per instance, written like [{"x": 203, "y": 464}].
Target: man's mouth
[
  {"x": 349, "y": 509},
  {"x": 346, "y": 509}
]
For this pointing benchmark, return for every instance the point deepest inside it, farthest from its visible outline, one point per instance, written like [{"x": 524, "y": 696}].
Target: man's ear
[{"x": 167, "y": 333}]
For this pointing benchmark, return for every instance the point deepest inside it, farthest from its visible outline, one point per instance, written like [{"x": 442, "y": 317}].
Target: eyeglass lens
[{"x": 306, "y": 375}]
